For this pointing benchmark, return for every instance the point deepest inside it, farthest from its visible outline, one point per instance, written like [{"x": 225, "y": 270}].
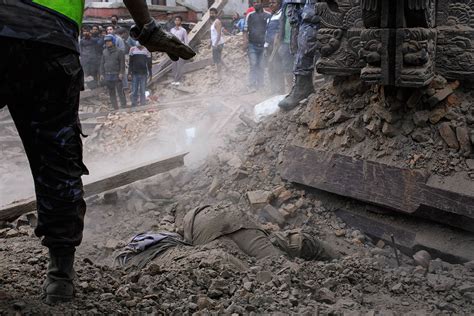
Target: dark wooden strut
[{"x": 398, "y": 189}]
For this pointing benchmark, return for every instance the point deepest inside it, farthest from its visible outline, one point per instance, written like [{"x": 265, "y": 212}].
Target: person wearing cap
[
  {"x": 170, "y": 21},
  {"x": 41, "y": 85},
  {"x": 112, "y": 70}
]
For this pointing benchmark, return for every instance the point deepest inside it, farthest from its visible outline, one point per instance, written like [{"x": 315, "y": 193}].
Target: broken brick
[
  {"x": 462, "y": 135},
  {"x": 438, "y": 113},
  {"x": 440, "y": 95},
  {"x": 259, "y": 197},
  {"x": 448, "y": 135}
]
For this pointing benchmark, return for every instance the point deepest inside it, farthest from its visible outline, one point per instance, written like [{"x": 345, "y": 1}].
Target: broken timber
[
  {"x": 143, "y": 171},
  {"x": 401, "y": 190}
]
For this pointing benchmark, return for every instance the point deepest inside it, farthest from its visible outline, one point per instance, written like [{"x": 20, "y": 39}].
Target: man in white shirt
[
  {"x": 182, "y": 35},
  {"x": 217, "y": 41}
]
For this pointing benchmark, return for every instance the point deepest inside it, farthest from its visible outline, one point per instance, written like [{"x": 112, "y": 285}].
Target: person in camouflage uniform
[
  {"x": 305, "y": 25},
  {"x": 41, "y": 79}
]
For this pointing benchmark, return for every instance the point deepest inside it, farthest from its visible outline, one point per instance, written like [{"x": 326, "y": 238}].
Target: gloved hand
[{"x": 155, "y": 39}]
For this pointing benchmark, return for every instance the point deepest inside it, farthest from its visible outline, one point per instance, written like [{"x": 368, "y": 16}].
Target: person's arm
[
  {"x": 122, "y": 64},
  {"x": 102, "y": 70},
  {"x": 186, "y": 39},
  {"x": 131, "y": 63},
  {"x": 150, "y": 66},
  {"x": 219, "y": 31},
  {"x": 246, "y": 31},
  {"x": 139, "y": 11}
]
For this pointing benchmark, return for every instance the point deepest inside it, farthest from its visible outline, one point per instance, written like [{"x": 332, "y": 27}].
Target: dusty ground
[{"x": 240, "y": 156}]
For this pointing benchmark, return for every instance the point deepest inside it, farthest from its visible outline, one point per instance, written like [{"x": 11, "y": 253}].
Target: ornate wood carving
[{"x": 401, "y": 43}]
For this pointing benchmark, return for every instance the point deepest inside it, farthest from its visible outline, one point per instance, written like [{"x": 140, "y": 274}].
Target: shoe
[
  {"x": 302, "y": 88},
  {"x": 59, "y": 286}
]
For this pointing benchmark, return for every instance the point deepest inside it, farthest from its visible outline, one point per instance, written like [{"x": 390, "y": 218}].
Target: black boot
[
  {"x": 59, "y": 286},
  {"x": 302, "y": 88}
]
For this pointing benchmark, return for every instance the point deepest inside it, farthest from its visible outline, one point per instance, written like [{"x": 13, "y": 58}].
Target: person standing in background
[
  {"x": 169, "y": 21},
  {"x": 238, "y": 24},
  {"x": 139, "y": 69},
  {"x": 90, "y": 49},
  {"x": 274, "y": 65},
  {"x": 123, "y": 35},
  {"x": 118, "y": 41},
  {"x": 112, "y": 69},
  {"x": 217, "y": 41},
  {"x": 181, "y": 33},
  {"x": 254, "y": 42},
  {"x": 306, "y": 56}
]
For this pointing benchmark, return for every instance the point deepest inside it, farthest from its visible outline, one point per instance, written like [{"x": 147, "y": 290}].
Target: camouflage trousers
[
  {"x": 40, "y": 84},
  {"x": 307, "y": 53}
]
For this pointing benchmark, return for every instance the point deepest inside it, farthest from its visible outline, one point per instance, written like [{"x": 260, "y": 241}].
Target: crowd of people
[{"x": 106, "y": 50}]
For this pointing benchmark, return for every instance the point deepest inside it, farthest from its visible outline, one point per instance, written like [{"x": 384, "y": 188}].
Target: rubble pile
[
  {"x": 205, "y": 81},
  {"x": 122, "y": 130},
  {"x": 219, "y": 278},
  {"x": 430, "y": 129},
  {"x": 422, "y": 129}
]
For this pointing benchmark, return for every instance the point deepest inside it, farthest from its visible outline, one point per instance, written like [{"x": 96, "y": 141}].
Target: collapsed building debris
[{"x": 405, "y": 133}]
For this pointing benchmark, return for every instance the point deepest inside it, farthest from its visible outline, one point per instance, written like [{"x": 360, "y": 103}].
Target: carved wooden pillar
[
  {"x": 339, "y": 38},
  {"x": 455, "y": 45}
]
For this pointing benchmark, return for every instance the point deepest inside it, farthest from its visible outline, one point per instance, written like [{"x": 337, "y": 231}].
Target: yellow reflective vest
[{"x": 72, "y": 9}]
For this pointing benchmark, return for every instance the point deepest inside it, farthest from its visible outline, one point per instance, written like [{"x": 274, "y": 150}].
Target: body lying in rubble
[{"x": 206, "y": 224}]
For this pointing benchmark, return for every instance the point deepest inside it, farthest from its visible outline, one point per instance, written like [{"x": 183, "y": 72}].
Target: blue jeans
[
  {"x": 138, "y": 89},
  {"x": 257, "y": 72}
]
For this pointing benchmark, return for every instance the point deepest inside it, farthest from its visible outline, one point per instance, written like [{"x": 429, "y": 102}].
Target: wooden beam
[
  {"x": 109, "y": 182},
  {"x": 401, "y": 190}
]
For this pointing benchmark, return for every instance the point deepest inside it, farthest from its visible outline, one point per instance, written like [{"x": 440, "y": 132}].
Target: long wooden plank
[
  {"x": 109, "y": 182},
  {"x": 402, "y": 190}
]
